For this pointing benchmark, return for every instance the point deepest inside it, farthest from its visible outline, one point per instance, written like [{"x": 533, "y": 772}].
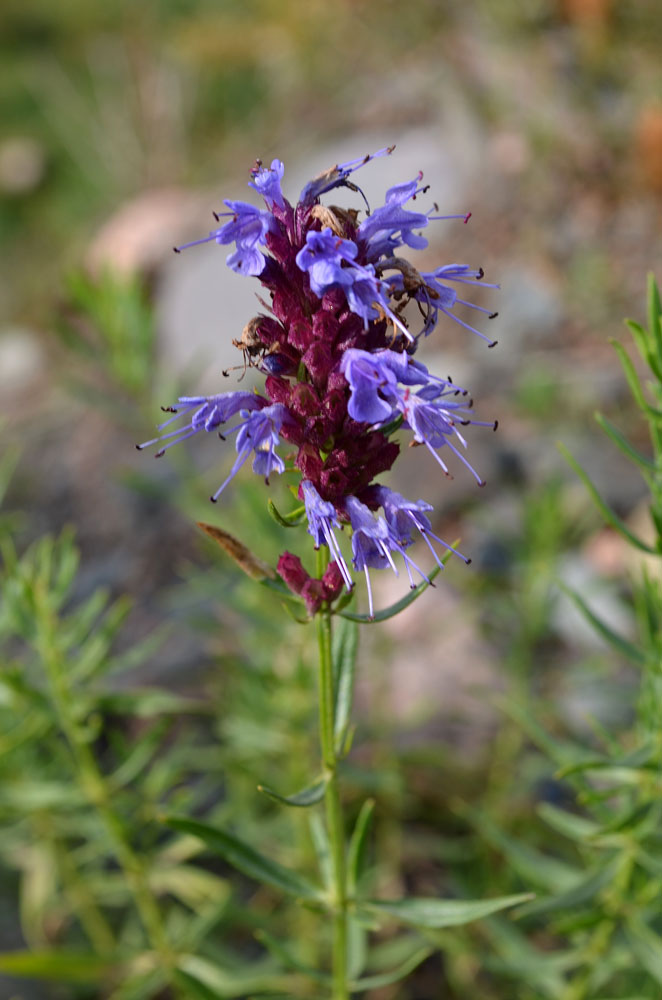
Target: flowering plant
[
  {"x": 338, "y": 352},
  {"x": 337, "y": 346}
]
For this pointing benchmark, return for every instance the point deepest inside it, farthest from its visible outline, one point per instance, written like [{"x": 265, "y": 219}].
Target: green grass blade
[
  {"x": 606, "y": 511},
  {"x": 623, "y": 646}
]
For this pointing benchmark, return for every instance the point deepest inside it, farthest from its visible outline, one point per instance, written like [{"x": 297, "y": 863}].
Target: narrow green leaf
[
  {"x": 606, "y": 511},
  {"x": 144, "y": 703},
  {"x": 343, "y": 656},
  {"x": 289, "y": 520},
  {"x": 624, "y": 646},
  {"x": 633, "y": 380},
  {"x": 357, "y": 947},
  {"x": 143, "y": 985},
  {"x": 646, "y": 946},
  {"x": 655, "y": 315},
  {"x": 623, "y": 444},
  {"x": 568, "y": 824},
  {"x": 519, "y": 957},
  {"x": 196, "y": 989},
  {"x": 322, "y": 847},
  {"x": 438, "y": 913},
  {"x": 227, "y": 983},
  {"x": 583, "y": 892},
  {"x": 386, "y": 978},
  {"x": 643, "y": 344},
  {"x": 281, "y": 590},
  {"x": 395, "y": 609},
  {"x": 246, "y": 859},
  {"x": 636, "y": 760},
  {"x": 357, "y": 846},
  {"x": 59, "y": 966},
  {"x": 306, "y": 797},
  {"x": 532, "y": 865}
]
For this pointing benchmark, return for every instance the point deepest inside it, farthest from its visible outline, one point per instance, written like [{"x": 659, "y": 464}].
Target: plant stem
[
  {"x": 96, "y": 791},
  {"x": 334, "y": 815}
]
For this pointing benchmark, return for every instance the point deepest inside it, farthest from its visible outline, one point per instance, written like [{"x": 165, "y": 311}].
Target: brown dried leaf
[{"x": 251, "y": 564}]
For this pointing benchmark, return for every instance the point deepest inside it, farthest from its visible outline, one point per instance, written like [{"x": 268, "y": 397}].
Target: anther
[
  {"x": 493, "y": 344},
  {"x": 139, "y": 447},
  {"x": 169, "y": 409},
  {"x": 159, "y": 454},
  {"x": 480, "y": 274},
  {"x": 222, "y": 436},
  {"x": 496, "y": 424},
  {"x": 493, "y": 315},
  {"x": 176, "y": 249},
  {"x": 216, "y": 216},
  {"x": 467, "y": 217},
  {"x": 213, "y": 499}
]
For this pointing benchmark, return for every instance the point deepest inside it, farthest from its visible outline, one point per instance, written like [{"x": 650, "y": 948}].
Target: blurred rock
[
  {"x": 22, "y": 165},
  {"x": 437, "y": 669},
  {"x": 142, "y": 233},
  {"x": 510, "y": 151},
  {"x": 21, "y": 359}
]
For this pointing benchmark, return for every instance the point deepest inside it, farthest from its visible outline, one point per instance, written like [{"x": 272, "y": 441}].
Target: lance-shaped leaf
[
  {"x": 532, "y": 865},
  {"x": 568, "y": 824},
  {"x": 395, "y": 609},
  {"x": 633, "y": 380},
  {"x": 439, "y": 913},
  {"x": 386, "y": 978},
  {"x": 583, "y": 892},
  {"x": 626, "y": 648},
  {"x": 246, "y": 859},
  {"x": 225, "y": 983},
  {"x": 646, "y": 946},
  {"x": 306, "y": 797},
  {"x": 343, "y": 657},
  {"x": 357, "y": 845},
  {"x": 606, "y": 511},
  {"x": 623, "y": 445},
  {"x": 253, "y": 566}
]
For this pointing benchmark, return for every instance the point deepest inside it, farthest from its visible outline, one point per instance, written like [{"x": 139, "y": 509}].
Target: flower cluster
[{"x": 337, "y": 349}]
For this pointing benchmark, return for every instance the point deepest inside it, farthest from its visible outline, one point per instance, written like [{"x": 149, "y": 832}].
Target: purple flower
[
  {"x": 379, "y": 230},
  {"x": 434, "y": 419},
  {"x": 373, "y": 543},
  {"x": 248, "y": 228},
  {"x": 322, "y": 519},
  {"x": 373, "y": 378},
  {"x": 438, "y": 297},
  {"x": 403, "y": 516},
  {"x": 323, "y": 257},
  {"x": 266, "y": 181},
  {"x": 210, "y": 413},
  {"x": 258, "y": 433},
  {"x": 337, "y": 176}
]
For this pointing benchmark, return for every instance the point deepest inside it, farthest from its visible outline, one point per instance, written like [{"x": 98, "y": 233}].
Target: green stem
[
  {"x": 95, "y": 790},
  {"x": 334, "y": 815}
]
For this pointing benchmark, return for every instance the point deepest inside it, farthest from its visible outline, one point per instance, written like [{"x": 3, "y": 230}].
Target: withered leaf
[{"x": 256, "y": 568}]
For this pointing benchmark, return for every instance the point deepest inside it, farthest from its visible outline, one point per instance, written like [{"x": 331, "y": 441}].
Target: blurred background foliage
[{"x": 134, "y": 652}]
